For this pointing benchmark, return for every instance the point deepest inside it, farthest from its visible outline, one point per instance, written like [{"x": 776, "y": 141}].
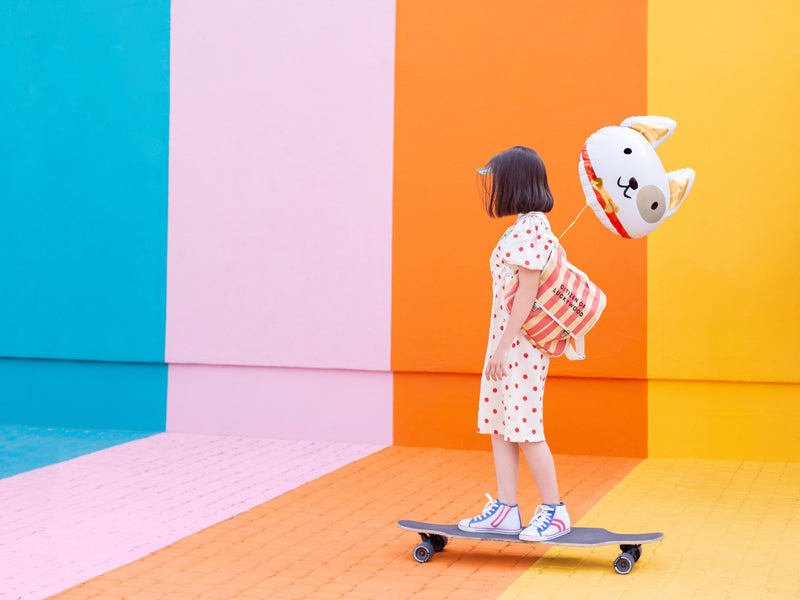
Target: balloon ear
[
  {"x": 680, "y": 182},
  {"x": 654, "y": 129}
]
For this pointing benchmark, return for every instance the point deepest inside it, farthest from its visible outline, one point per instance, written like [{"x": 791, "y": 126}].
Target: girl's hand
[
  {"x": 526, "y": 294},
  {"x": 496, "y": 366}
]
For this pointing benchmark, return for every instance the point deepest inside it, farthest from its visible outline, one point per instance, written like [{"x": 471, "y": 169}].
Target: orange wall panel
[
  {"x": 606, "y": 417},
  {"x": 471, "y": 80},
  {"x": 437, "y": 410}
]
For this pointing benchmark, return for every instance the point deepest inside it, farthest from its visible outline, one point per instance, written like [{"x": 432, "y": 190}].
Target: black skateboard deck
[{"x": 435, "y": 537}]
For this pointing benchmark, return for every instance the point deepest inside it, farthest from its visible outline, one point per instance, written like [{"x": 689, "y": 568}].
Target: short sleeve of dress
[{"x": 528, "y": 243}]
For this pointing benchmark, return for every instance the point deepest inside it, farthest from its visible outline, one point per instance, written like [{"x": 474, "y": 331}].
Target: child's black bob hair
[{"x": 515, "y": 181}]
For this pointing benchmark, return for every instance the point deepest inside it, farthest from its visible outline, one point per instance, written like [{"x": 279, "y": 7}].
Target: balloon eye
[
  {"x": 627, "y": 151},
  {"x": 654, "y": 206}
]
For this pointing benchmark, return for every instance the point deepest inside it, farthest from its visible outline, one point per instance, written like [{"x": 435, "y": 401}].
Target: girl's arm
[{"x": 496, "y": 367}]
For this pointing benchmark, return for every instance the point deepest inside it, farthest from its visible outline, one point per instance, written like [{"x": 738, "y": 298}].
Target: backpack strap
[{"x": 578, "y": 352}]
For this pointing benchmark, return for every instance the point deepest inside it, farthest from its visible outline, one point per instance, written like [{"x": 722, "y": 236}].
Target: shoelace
[
  {"x": 488, "y": 508},
  {"x": 543, "y": 517}
]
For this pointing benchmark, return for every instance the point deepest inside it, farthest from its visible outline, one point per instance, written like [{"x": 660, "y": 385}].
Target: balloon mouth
[{"x": 627, "y": 187}]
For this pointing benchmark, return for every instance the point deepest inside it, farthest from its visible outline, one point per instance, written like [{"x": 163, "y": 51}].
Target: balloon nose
[{"x": 633, "y": 184}]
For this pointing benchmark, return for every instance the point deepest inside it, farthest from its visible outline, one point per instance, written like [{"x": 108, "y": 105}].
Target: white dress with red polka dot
[{"x": 512, "y": 407}]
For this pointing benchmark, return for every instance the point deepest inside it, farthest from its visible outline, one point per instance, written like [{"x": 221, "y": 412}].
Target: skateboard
[{"x": 435, "y": 537}]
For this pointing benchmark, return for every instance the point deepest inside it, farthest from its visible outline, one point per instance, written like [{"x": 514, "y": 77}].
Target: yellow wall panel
[
  {"x": 723, "y": 291},
  {"x": 724, "y": 420}
]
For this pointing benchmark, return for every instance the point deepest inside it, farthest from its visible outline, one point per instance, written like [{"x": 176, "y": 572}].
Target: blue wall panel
[
  {"x": 84, "y": 115},
  {"x": 93, "y": 395}
]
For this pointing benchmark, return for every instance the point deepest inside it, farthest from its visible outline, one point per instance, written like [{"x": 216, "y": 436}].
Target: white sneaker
[
  {"x": 549, "y": 522},
  {"x": 496, "y": 518}
]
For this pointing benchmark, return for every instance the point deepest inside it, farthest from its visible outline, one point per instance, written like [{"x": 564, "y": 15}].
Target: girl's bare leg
[
  {"x": 506, "y": 467},
  {"x": 543, "y": 469}
]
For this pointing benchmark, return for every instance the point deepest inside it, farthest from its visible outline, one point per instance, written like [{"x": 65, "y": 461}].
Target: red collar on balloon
[{"x": 603, "y": 199}]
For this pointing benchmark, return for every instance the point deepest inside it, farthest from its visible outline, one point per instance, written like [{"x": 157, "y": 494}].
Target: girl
[{"x": 515, "y": 182}]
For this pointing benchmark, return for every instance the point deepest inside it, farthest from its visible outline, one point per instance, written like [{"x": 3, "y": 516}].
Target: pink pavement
[{"x": 68, "y": 522}]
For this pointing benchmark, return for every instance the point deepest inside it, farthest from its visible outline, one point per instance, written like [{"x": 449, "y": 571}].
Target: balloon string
[{"x": 573, "y": 222}]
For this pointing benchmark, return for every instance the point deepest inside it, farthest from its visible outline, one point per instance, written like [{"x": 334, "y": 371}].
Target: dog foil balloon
[{"x": 624, "y": 181}]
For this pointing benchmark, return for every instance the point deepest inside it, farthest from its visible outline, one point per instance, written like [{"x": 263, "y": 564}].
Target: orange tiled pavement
[{"x": 335, "y": 537}]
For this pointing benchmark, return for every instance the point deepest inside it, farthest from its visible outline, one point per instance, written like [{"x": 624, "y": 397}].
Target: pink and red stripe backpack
[{"x": 567, "y": 306}]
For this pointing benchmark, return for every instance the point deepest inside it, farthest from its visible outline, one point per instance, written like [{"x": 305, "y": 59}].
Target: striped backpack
[{"x": 567, "y": 306}]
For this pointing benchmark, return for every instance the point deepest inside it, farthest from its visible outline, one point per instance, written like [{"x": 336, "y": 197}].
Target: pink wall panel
[
  {"x": 310, "y": 404},
  {"x": 280, "y": 201}
]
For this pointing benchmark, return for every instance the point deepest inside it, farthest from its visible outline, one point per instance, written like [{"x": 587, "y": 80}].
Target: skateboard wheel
[
  {"x": 624, "y": 563},
  {"x": 438, "y": 541},
  {"x": 423, "y": 552}
]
